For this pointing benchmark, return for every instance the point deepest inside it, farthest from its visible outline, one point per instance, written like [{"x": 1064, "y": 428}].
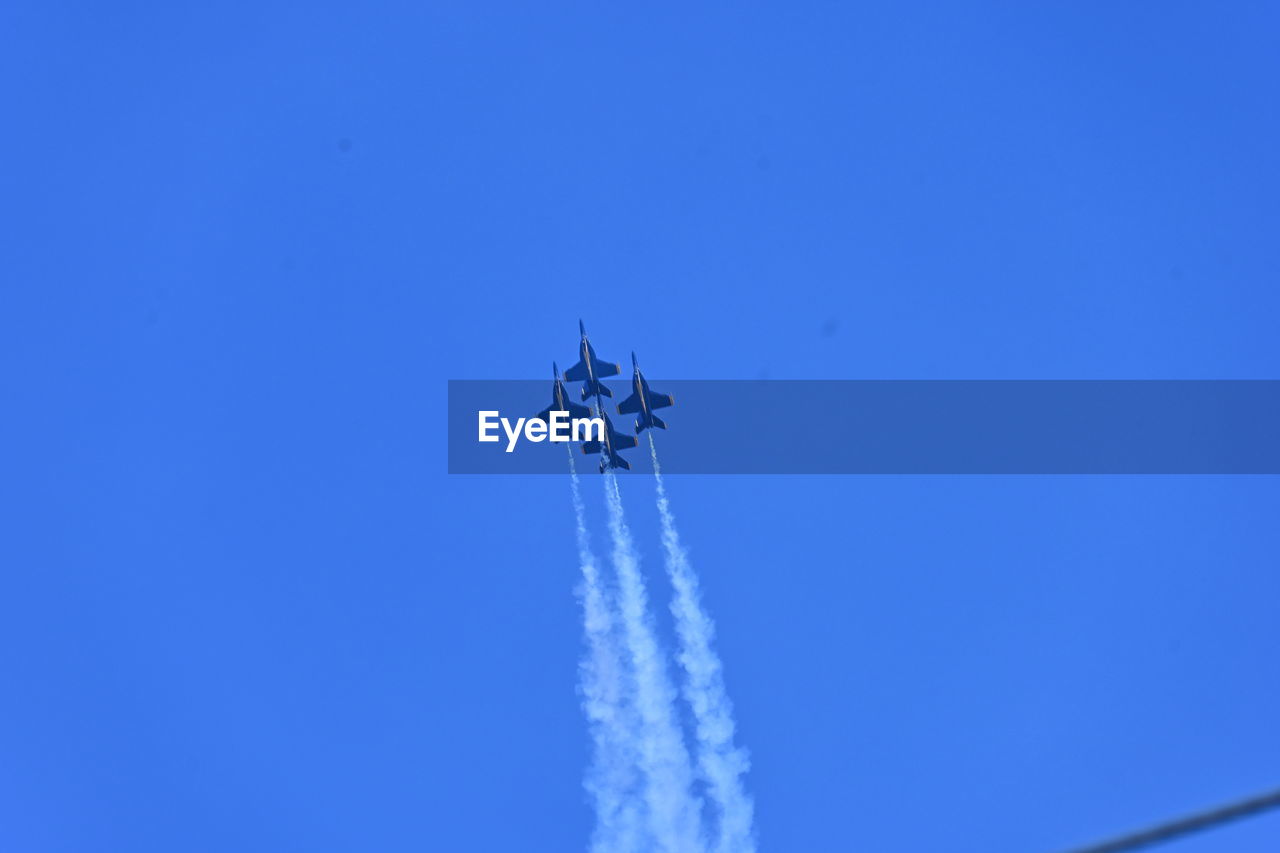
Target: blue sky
[{"x": 246, "y": 245}]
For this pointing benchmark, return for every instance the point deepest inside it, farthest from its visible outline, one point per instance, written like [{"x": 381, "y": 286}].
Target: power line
[{"x": 1185, "y": 826}]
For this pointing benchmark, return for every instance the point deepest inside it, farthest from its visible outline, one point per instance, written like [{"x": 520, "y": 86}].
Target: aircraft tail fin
[
  {"x": 613, "y": 460},
  {"x": 654, "y": 421}
]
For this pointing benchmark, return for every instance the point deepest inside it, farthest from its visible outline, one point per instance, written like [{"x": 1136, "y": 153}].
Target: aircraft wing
[
  {"x": 577, "y": 373},
  {"x": 574, "y": 410},
  {"x": 661, "y": 401},
  {"x": 604, "y": 368},
  {"x": 629, "y": 406}
]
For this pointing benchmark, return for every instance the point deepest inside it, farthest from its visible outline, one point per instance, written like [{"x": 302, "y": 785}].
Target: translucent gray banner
[{"x": 900, "y": 427}]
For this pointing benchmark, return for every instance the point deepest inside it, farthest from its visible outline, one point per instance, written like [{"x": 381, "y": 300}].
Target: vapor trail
[
  {"x": 720, "y": 762},
  {"x": 674, "y": 811},
  {"x": 612, "y": 780}
]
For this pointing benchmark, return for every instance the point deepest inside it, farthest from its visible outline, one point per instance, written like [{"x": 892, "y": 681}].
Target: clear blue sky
[{"x": 244, "y": 246}]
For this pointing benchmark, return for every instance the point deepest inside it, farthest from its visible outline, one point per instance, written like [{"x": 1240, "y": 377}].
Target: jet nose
[
  {"x": 633, "y": 361},
  {"x": 582, "y": 328}
]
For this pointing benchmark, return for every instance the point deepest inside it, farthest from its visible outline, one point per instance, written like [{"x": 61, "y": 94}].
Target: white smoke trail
[
  {"x": 721, "y": 763},
  {"x": 674, "y": 811},
  {"x": 612, "y": 781}
]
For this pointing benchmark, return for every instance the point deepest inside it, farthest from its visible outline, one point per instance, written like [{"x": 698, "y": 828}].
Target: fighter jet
[
  {"x": 590, "y": 370},
  {"x": 644, "y": 400},
  {"x": 560, "y": 401},
  {"x": 613, "y": 442}
]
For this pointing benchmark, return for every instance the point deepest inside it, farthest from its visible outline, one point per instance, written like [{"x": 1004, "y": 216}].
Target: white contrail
[
  {"x": 612, "y": 782},
  {"x": 721, "y": 763},
  {"x": 674, "y": 811}
]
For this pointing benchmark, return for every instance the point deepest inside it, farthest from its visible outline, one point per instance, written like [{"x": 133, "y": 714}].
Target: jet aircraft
[
  {"x": 560, "y": 401},
  {"x": 644, "y": 400},
  {"x": 613, "y": 442},
  {"x": 590, "y": 369}
]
